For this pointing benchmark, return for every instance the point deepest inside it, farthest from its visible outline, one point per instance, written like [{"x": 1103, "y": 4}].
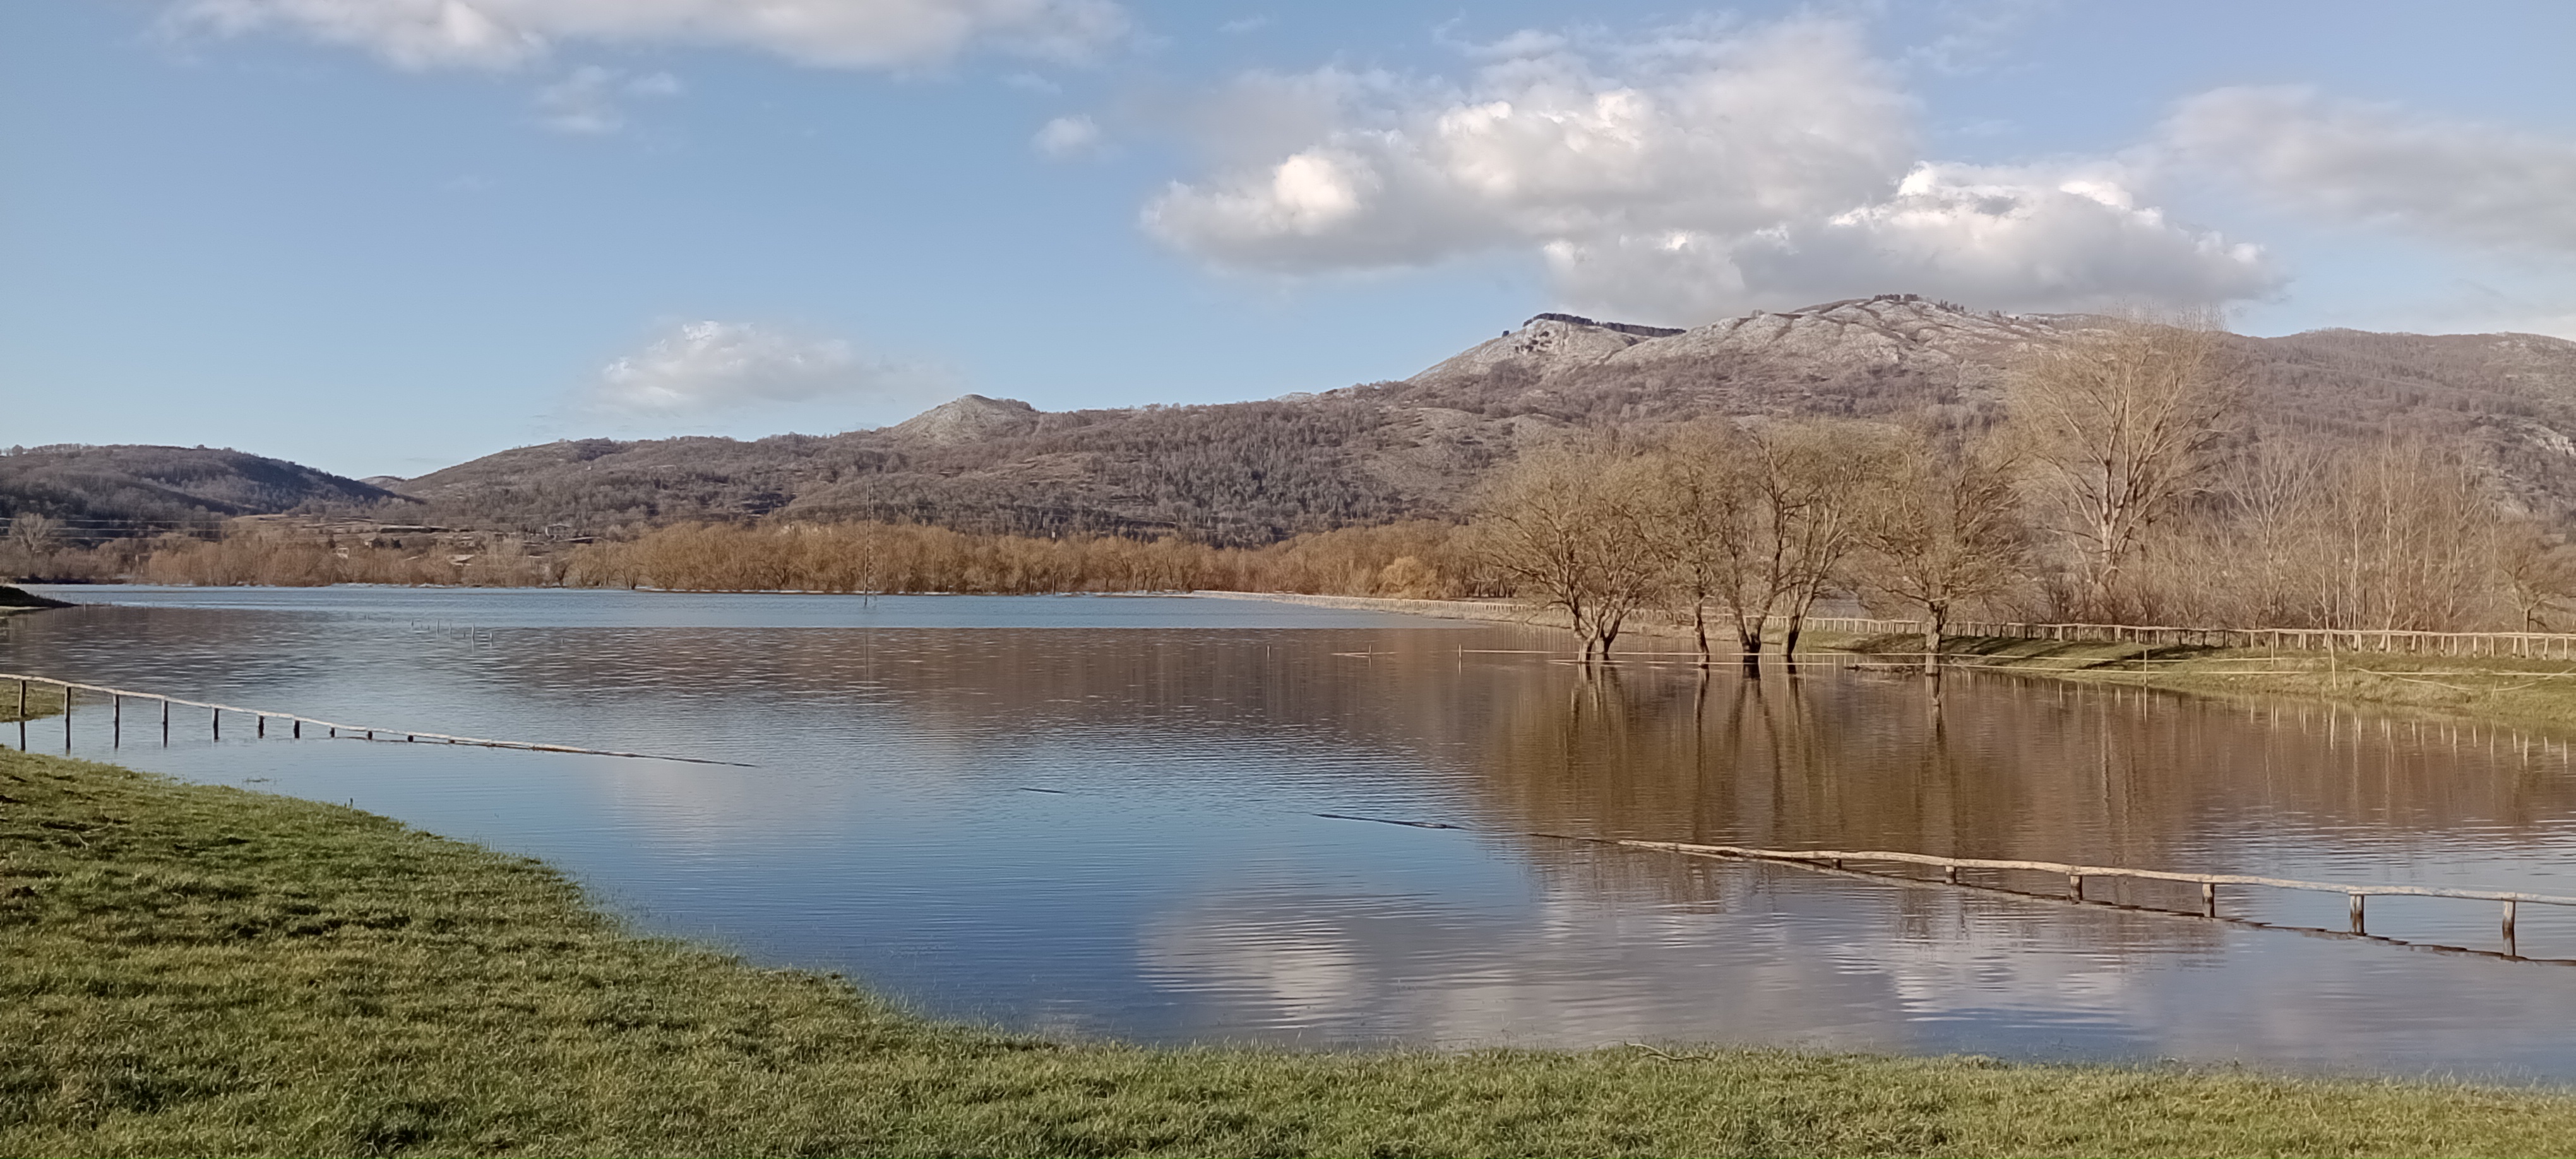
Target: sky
[{"x": 387, "y": 236}]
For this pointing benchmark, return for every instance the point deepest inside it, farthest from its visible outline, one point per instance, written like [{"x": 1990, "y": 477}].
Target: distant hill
[
  {"x": 118, "y": 491},
  {"x": 1252, "y": 472}
]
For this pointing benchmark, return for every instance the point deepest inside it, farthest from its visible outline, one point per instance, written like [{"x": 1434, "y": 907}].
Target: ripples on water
[{"x": 1098, "y": 816}]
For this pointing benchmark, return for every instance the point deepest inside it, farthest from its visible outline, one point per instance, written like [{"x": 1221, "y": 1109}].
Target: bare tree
[
  {"x": 1816, "y": 478},
  {"x": 2406, "y": 539},
  {"x": 1946, "y": 533},
  {"x": 1698, "y": 522},
  {"x": 34, "y": 534},
  {"x": 1567, "y": 527},
  {"x": 1759, "y": 522},
  {"x": 32, "y": 541},
  {"x": 2540, "y": 571},
  {"x": 2115, "y": 423}
]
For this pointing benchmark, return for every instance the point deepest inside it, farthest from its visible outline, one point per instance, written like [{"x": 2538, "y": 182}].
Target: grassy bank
[
  {"x": 189, "y": 969},
  {"x": 2530, "y": 694},
  {"x": 42, "y": 700}
]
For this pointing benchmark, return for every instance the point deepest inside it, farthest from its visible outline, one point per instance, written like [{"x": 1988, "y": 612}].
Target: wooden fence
[
  {"x": 261, "y": 717},
  {"x": 2519, "y": 645},
  {"x": 2075, "y": 876}
]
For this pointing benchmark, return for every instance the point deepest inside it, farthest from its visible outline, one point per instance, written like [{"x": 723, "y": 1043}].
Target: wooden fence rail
[
  {"x": 2519, "y": 645},
  {"x": 260, "y": 718},
  {"x": 2075, "y": 876}
]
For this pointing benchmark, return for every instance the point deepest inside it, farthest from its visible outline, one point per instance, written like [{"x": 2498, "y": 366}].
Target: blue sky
[{"x": 384, "y": 236}]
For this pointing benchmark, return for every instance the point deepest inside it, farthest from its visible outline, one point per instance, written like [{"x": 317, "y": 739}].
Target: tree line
[
  {"x": 2122, "y": 486},
  {"x": 1418, "y": 559},
  {"x": 2124, "y": 481}
]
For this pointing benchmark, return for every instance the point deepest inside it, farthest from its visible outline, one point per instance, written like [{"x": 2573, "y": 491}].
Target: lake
[{"x": 1166, "y": 820}]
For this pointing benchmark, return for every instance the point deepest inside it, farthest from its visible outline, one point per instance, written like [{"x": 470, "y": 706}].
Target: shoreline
[
  {"x": 2534, "y": 695},
  {"x": 2539, "y": 695},
  {"x": 2530, "y": 694},
  {"x": 201, "y": 969}
]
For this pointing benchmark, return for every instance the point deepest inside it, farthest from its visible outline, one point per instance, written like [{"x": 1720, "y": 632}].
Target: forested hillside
[
  {"x": 87, "y": 494},
  {"x": 1254, "y": 472},
  {"x": 1245, "y": 474}
]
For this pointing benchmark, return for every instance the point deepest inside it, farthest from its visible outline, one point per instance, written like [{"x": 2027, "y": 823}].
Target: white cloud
[
  {"x": 2015, "y": 239},
  {"x": 588, "y": 99},
  {"x": 1068, "y": 137},
  {"x": 501, "y": 34},
  {"x": 2380, "y": 165},
  {"x": 700, "y": 368},
  {"x": 1695, "y": 174}
]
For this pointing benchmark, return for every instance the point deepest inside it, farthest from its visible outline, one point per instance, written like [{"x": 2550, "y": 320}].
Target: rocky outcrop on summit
[
  {"x": 1861, "y": 356},
  {"x": 969, "y": 418},
  {"x": 1858, "y": 335}
]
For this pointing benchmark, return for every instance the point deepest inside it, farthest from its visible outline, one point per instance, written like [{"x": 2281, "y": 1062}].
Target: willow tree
[
  {"x": 2117, "y": 422},
  {"x": 1566, "y": 527}
]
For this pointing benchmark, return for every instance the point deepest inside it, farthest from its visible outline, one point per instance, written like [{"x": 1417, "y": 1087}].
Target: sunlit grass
[
  {"x": 199, "y": 970},
  {"x": 2538, "y": 694}
]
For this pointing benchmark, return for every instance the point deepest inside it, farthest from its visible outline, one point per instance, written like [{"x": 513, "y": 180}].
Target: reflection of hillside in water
[{"x": 1396, "y": 690}]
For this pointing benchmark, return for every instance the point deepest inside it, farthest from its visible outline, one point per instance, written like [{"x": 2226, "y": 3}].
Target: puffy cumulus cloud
[
  {"x": 427, "y": 34},
  {"x": 1067, "y": 137},
  {"x": 1683, "y": 177},
  {"x": 2014, "y": 239},
  {"x": 1723, "y": 134},
  {"x": 702, "y": 368},
  {"x": 2381, "y": 165}
]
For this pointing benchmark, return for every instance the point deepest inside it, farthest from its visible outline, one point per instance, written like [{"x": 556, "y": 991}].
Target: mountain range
[{"x": 1252, "y": 472}]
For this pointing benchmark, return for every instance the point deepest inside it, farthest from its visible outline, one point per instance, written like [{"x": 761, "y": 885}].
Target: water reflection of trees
[{"x": 1999, "y": 768}]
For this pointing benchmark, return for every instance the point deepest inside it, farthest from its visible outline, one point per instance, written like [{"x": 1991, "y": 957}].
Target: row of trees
[
  {"x": 2123, "y": 486},
  {"x": 1753, "y": 527},
  {"x": 1422, "y": 559},
  {"x": 2118, "y": 490},
  {"x": 1418, "y": 560},
  {"x": 280, "y": 559}
]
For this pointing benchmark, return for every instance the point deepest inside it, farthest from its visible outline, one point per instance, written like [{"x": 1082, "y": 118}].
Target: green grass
[
  {"x": 42, "y": 700},
  {"x": 2531, "y": 694},
  {"x": 201, "y": 970}
]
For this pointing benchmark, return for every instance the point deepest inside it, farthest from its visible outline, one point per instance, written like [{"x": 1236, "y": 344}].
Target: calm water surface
[{"x": 1100, "y": 816}]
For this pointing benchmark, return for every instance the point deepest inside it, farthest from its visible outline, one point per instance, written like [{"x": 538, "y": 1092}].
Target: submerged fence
[
  {"x": 2517, "y": 645},
  {"x": 260, "y": 718},
  {"x": 2075, "y": 876}
]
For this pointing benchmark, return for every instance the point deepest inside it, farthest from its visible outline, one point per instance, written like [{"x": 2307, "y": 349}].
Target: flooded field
[{"x": 1165, "y": 819}]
